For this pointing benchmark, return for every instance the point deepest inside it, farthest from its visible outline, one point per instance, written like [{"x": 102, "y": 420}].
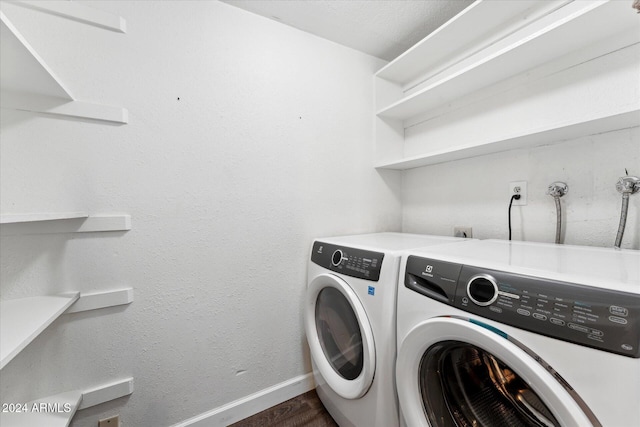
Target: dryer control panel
[
  {"x": 352, "y": 262},
  {"x": 600, "y": 318}
]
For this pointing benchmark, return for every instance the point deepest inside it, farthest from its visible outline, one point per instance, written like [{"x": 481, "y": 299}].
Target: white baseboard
[{"x": 252, "y": 404}]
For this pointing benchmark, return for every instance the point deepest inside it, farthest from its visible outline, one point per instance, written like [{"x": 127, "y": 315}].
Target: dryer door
[
  {"x": 460, "y": 372},
  {"x": 339, "y": 336}
]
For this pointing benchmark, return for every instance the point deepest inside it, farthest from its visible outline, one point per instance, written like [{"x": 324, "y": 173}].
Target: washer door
[
  {"x": 339, "y": 336},
  {"x": 460, "y": 372}
]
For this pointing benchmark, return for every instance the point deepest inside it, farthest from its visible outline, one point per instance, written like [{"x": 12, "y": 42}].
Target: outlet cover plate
[
  {"x": 466, "y": 232},
  {"x": 110, "y": 422},
  {"x": 518, "y": 187}
]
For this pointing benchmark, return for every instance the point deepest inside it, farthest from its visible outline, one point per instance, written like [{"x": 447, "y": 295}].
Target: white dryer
[
  {"x": 497, "y": 333},
  {"x": 350, "y": 323}
]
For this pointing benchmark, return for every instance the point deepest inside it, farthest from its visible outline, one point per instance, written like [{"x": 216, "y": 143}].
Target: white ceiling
[{"x": 382, "y": 28}]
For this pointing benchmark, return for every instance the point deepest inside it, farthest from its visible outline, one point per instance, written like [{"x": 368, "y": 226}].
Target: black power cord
[{"x": 514, "y": 197}]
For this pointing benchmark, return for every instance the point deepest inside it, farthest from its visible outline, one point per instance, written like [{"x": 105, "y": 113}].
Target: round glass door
[
  {"x": 339, "y": 336},
  {"x": 456, "y": 372},
  {"x": 339, "y": 333},
  {"x": 464, "y": 385}
]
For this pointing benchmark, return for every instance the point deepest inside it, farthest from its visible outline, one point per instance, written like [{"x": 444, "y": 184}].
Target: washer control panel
[
  {"x": 353, "y": 262},
  {"x": 600, "y": 318}
]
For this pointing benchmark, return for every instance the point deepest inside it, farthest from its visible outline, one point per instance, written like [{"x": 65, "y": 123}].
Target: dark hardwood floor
[{"x": 305, "y": 410}]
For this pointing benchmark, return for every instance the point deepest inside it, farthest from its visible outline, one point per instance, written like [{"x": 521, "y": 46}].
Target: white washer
[
  {"x": 497, "y": 333},
  {"x": 350, "y": 323}
]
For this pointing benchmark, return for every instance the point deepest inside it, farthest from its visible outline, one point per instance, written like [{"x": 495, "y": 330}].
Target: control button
[
  {"x": 558, "y": 322},
  {"x": 627, "y": 347},
  {"x": 523, "y": 312},
  {"x": 539, "y": 316},
  {"x": 495, "y": 309},
  {"x": 619, "y": 320},
  {"x": 579, "y": 328},
  {"x": 597, "y": 333},
  {"x": 482, "y": 289},
  {"x": 508, "y": 295},
  {"x": 336, "y": 258},
  {"x": 618, "y": 311}
]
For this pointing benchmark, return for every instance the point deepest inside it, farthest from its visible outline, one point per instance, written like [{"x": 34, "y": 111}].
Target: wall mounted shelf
[
  {"x": 460, "y": 32},
  {"x": 77, "y": 12},
  {"x": 37, "y": 217},
  {"x": 487, "y": 44},
  {"x": 67, "y": 404},
  {"x": 22, "y": 320},
  {"x": 67, "y": 222},
  {"x": 29, "y": 84},
  {"x": 480, "y": 148}
]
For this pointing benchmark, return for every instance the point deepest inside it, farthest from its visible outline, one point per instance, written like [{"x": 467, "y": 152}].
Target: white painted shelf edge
[
  {"x": 57, "y": 412},
  {"x": 462, "y": 30},
  {"x": 74, "y": 222},
  {"x": 543, "y": 137},
  {"x": 37, "y": 217},
  {"x": 77, "y": 12},
  {"x": 71, "y": 109},
  {"x": 22, "y": 320},
  {"x": 551, "y": 40},
  {"x": 28, "y": 84},
  {"x": 67, "y": 404},
  {"x": 106, "y": 392},
  {"x": 97, "y": 300}
]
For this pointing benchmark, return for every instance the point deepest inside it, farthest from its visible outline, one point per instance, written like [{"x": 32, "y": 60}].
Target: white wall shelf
[
  {"x": 97, "y": 300},
  {"x": 66, "y": 403},
  {"x": 68, "y": 222},
  {"x": 37, "y": 217},
  {"x": 487, "y": 44},
  {"x": 458, "y": 33},
  {"x": 78, "y": 12},
  {"x": 480, "y": 148},
  {"x": 22, "y": 320},
  {"x": 29, "y": 84}
]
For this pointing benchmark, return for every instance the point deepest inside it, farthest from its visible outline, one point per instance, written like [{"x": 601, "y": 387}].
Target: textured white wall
[
  {"x": 268, "y": 146},
  {"x": 474, "y": 192}
]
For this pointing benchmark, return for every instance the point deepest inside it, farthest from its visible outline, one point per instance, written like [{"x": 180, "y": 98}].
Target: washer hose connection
[
  {"x": 557, "y": 190},
  {"x": 626, "y": 185}
]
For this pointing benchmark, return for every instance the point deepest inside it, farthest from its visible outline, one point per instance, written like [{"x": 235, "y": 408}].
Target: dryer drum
[{"x": 463, "y": 385}]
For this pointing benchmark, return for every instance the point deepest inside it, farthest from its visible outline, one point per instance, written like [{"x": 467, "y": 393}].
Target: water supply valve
[
  {"x": 628, "y": 185},
  {"x": 557, "y": 189}
]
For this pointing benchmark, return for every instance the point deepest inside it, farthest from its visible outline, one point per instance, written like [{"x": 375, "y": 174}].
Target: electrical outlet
[
  {"x": 462, "y": 232},
  {"x": 110, "y": 422},
  {"x": 518, "y": 187}
]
